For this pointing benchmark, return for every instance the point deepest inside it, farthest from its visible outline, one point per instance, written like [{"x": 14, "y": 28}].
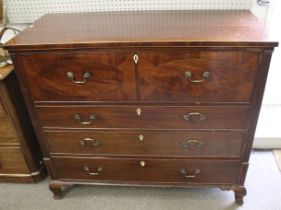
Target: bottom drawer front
[{"x": 147, "y": 170}]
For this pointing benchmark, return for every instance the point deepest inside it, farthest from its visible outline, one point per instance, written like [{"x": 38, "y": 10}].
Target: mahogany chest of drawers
[{"x": 155, "y": 98}]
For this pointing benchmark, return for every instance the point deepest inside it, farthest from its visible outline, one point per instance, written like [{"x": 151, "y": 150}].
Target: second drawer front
[
  {"x": 150, "y": 117},
  {"x": 147, "y": 170},
  {"x": 160, "y": 143}
]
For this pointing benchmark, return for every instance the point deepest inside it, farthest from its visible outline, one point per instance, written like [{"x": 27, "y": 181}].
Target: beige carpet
[
  {"x": 263, "y": 183},
  {"x": 277, "y": 154}
]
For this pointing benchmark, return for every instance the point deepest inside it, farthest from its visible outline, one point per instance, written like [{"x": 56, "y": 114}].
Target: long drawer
[
  {"x": 147, "y": 170},
  {"x": 144, "y": 143},
  {"x": 147, "y": 117},
  {"x": 86, "y": 76}
]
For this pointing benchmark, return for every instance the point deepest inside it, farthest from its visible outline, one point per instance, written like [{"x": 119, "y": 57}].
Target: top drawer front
[
  {"x": 101, "y": 76},
  {"x": 221, "y": 76}
]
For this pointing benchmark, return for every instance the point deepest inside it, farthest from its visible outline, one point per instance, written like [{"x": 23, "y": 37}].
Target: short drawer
[
  {"x": 7, "y": 131},
  {"x": 147, "y": 117},
  {"x": 87, "y": 76},
  {"x": 147, "y": 170},
  {"x": 12, "y": 161},
  {"x": 146, "y": 143},
  {"x": 202, "y": 76}
]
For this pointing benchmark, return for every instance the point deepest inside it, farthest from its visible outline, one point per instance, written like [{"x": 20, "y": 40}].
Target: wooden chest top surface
[{"x": 143, "y": 28}]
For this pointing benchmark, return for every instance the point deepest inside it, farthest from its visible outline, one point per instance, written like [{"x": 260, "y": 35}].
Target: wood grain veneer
[
  {"x": 231, "y": 76},
  {"x": 111, "y": 77}
]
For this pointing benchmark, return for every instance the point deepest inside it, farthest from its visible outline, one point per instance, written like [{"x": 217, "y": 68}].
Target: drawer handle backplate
[
  {"x": 98, "y": 170},
  {"x": 71, "y": 77},
  {"x": 186, "y": 175},
  {"x": 92, "y": 117},
  {"x": 188, "y": 75},
  {"x": 191, "y": 114},
  {"x": 83, "y": 142},
  {"x": 189, "y": 142}
]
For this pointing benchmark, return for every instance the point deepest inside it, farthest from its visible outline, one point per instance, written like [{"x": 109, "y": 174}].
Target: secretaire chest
[{"x": 155, "y": 98}]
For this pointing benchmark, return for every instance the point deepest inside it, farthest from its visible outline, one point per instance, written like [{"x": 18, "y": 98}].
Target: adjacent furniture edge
[
  {"x": 5, "y": 71},
  {"x": 34, "y": 176},
  {"x": 13, "y": 103}
]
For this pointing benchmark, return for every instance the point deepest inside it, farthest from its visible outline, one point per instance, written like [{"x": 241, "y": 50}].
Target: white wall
[{"x": 28, "y": 11}]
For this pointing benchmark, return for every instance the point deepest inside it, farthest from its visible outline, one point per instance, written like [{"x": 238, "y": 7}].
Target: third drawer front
[
  {"x": 147, "y": 170},
  {"x": 147, "y": 117},
  {"x": 156, "y": 143}
]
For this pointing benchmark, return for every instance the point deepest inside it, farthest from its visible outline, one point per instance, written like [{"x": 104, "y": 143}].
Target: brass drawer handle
[
  {"x": 86, "y": 77},
  {"x": 188, "y": 143},
  {"x": 98, "y": 170},
  {"x": 191, "y": 114},
  {"x": 186, "y": 175},
  {"x": 92, "y": 117},
  {"x": 83, "y": 142},
  {"x": 188, "y": 75}
]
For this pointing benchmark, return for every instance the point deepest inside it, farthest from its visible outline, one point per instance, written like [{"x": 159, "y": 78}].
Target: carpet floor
[{"x": 263, "y": 183}]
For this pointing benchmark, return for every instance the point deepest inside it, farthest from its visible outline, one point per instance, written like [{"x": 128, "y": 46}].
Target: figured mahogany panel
[
  {"x": 145, "y": 143},
  {"x": 12, "y": 161},
  {"x": 107, "y": 76},
  {"x": 231, "y": 76},
  {"x": 146, "y": 170},
  {"x": 147, "y": 117}
]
